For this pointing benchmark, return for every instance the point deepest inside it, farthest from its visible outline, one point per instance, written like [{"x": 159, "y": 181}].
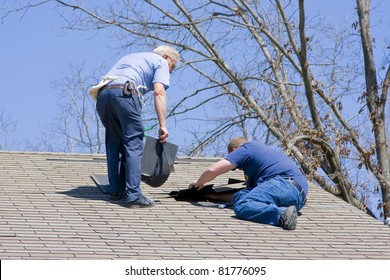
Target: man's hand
[
  {"x": 194, "y": 185},
  {"x": 163, "y": 134},
  {"x": 211, "y": 172}
]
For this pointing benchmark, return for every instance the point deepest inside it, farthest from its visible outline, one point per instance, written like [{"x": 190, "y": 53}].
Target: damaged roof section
[{"x": 50, "y": 208}]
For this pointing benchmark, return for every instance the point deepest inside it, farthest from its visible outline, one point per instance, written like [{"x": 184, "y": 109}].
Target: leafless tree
[
  {"x": 77, "y": 122},
  {"x": 8, "y": 140},
  {"x": 6, "y": 128},
  {"x": 264, "y": 69},
  {"x": 375, "y": 97}
]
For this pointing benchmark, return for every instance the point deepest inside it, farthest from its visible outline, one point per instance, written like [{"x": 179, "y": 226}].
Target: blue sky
[{"x": 36, "y": 52}]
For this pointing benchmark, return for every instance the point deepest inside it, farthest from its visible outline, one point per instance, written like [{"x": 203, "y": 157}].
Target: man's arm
[
  {"x": 160, "y": 104},
  {"x": 213, "y": 171}
]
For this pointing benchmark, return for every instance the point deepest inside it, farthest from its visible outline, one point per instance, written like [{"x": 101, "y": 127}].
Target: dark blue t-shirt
[{"x": 261, "y": 162}]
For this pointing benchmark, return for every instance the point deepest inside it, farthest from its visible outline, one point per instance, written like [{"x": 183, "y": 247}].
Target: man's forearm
[
  {"x": 213, "y": 171},
  {"x": 206, "y": 176},
  {"x": 160, "y": 104}
]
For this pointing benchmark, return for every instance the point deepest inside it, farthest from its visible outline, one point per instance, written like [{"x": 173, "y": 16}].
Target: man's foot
[
  {"x": 141, "y": 203},
  {"x": 118, "y": 196},
  {"x": 288, "y": 219}
]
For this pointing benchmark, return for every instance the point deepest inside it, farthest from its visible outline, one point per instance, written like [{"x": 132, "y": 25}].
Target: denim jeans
[
  {"x": 266, "y": 202},
  {"x": 121, "y": 116}
]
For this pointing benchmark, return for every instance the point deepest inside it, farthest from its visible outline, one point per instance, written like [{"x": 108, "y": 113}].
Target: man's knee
[{"x": 241, "y": 207}]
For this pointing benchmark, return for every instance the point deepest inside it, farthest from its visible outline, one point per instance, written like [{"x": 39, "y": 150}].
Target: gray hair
[{"x": 167, "y": 50}]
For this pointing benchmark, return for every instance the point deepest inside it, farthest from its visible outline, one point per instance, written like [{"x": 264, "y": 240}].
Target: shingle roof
[{"x": 50, "y": 208}]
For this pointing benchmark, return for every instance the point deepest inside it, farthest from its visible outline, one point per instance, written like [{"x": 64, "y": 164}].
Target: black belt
[{"x": 292, "y": 181}]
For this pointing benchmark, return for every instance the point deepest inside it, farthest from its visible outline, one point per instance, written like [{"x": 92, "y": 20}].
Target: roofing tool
[
  {"x": 157, "y": 161},
  {"x": 168, "y": 156}
]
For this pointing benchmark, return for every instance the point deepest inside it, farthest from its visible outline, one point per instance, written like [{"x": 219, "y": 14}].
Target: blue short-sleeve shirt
[
  {"x": 145, "y": 68},
  {"x": 261, "y": 162}
]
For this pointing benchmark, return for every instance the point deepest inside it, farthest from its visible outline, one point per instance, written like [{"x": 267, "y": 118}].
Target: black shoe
[
  {"x": 118, "y": 196},
  {"x": 141, "y": 203},
  {"x": 288, "y": 219}
]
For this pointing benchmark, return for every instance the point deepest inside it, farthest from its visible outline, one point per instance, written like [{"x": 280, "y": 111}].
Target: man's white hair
[{"x": 167, "y": 50}]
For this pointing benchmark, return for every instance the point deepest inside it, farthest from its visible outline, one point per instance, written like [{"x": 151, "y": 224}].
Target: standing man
[
  {"x": 276, "y": 188},
  {"x": 119, "y": 105}
]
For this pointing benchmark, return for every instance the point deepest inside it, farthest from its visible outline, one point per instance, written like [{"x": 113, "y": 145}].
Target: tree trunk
[{"x": 376, "y": 106}]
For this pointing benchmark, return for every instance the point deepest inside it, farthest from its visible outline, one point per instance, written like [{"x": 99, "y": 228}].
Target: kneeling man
[{"x": 275, "y": 189}]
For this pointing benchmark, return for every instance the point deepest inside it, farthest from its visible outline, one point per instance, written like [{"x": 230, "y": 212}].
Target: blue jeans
[
  {"x": 121, "y": 116},
  {"x": 266, "y": 202}
]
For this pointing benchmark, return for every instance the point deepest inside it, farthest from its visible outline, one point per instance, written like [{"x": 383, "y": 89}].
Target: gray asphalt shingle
[{"x": 50, "y": 208}]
